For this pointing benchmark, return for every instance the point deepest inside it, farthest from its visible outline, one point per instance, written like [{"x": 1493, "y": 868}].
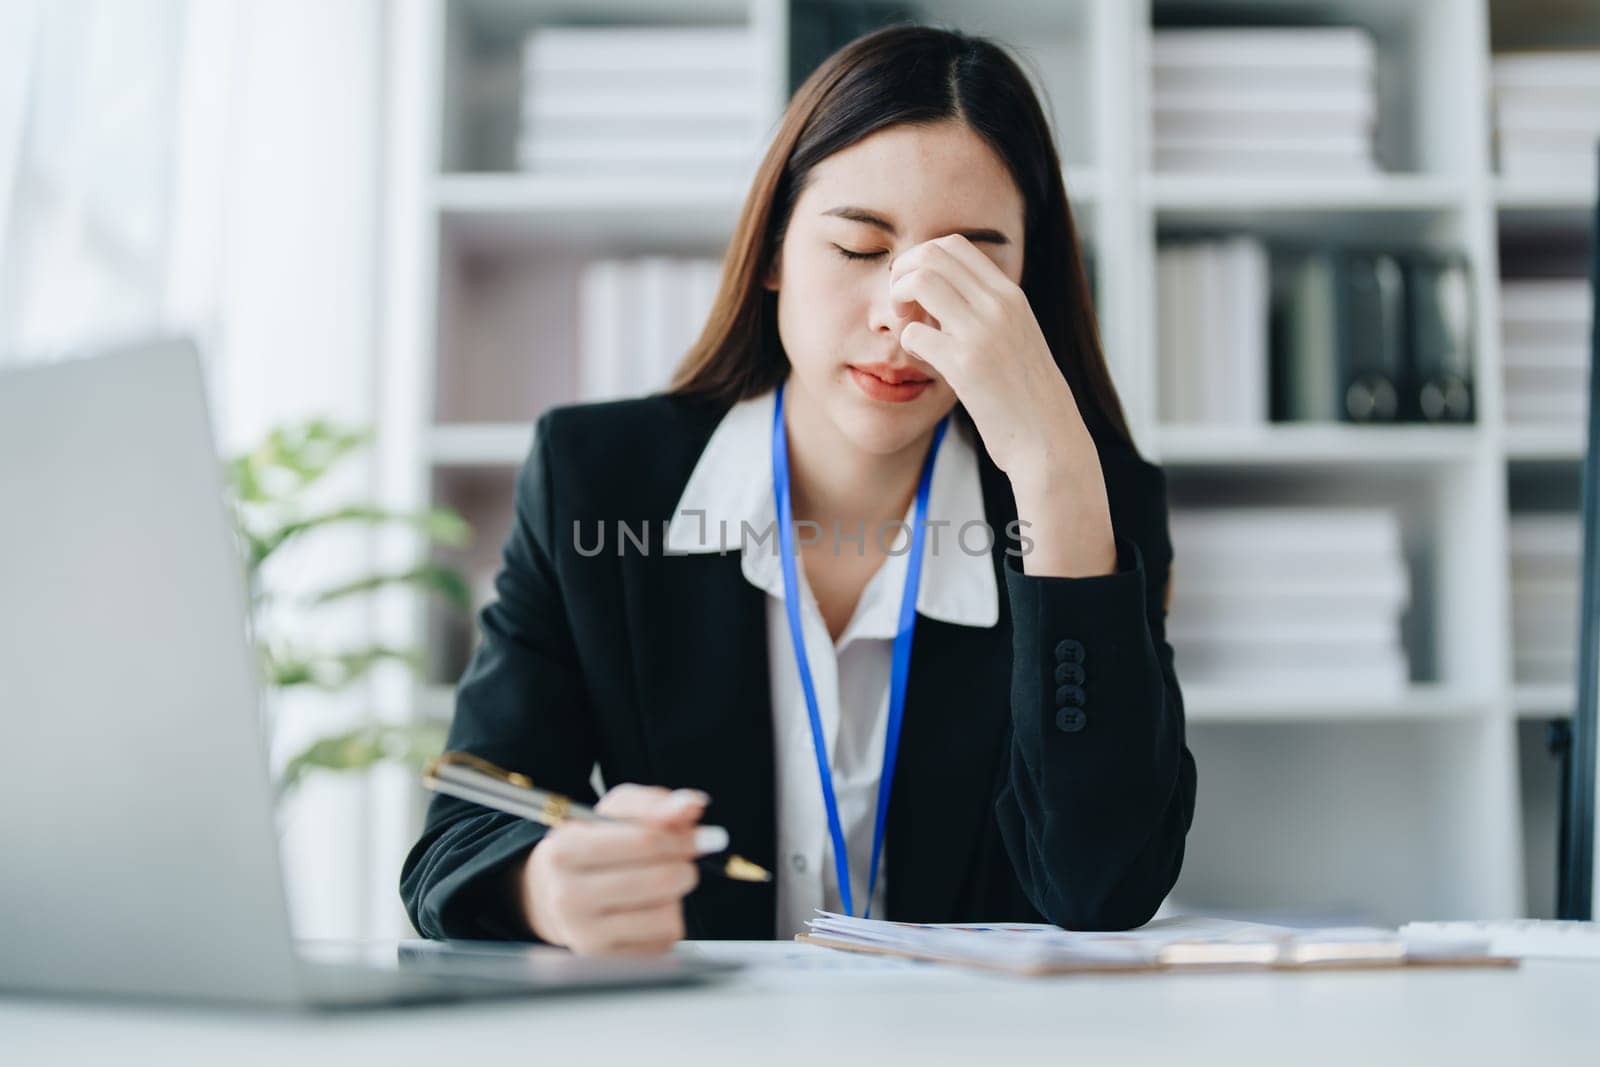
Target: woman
[{"x": 903, "y": 342}]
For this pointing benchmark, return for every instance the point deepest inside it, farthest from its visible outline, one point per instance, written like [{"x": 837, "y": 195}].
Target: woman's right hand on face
[{"x": 602, "y": 888}]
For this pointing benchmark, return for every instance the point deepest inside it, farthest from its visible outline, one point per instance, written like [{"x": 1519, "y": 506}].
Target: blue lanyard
[{"x": 902, "y": 651}]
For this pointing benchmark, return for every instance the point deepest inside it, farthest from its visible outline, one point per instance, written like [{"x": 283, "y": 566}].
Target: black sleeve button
[
  {"x": 1069, "y": 650},
  {"x": 1070, "y": 696},
  {"x": 1071, "y": 720},
  {"x": 1069, "y": 674}
]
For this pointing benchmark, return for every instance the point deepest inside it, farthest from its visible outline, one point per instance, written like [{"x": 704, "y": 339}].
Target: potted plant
[{"x": 271, "y": 489}]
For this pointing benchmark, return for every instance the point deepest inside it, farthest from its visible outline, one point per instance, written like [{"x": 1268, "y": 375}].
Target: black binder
[
  {"x": 1371, "y": 324},
  {"x": 1338, "y": 336},
  {"x": 1438, "y": 381}
]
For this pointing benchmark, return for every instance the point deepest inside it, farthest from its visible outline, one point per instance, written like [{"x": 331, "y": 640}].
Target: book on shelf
[
  {"x": 637, "y": 319},
  {"x": 1533, "y": 377},
  {"x": 1257, "y": 82},
  {"x": 1343, "y": 49},
  {"x": 1382, "y": 675},
  {"x": 1281, "y": 597},
  {"x": 1262, "y": 100},
  {"x": 1544, "y": 326},
  {"x": 740, "y": 86},
  {"x": 1306, "y": 385},
  {"x": 1546, "y": 559},
  {"x": 1544, "y": 618},
  {"x": 1559, "y": 302},
  {"x": 1359, "y": 672},
  {"x": 1370, "y": 297},
  {"x": 691, "y": 106},
  {"x": 603, "y": 334},
  {"x": 621, "y": 100},
  {"x": 1299, "y": 529},
  {"x": 1289, "y": 104},
  {"x": 1289, "y": 631},
  {"x": 1215, "y": 596},
  {"x": 1212, "y": 331},
  {"x": 1546, "y": 408},
  {"x": 1546, "y": 539},
  {"x": 1267, "y": 161},
  {"x": 1325, "y": 581},
  {"x": 1436, "y": 384},
  {"x": 1371, "y": 336},
  {"x": 629, "y": 49},
  {"x": 1546, "y": 121}
]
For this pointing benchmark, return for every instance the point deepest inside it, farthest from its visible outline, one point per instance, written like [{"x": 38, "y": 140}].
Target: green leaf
[
  {"x": 332, "y": 671},
  {"x": 439, "y": 525},
  {"x": 411, "y": 744},
  {"x": 446, "y": 582},
  {"x": 291, "y": 458}
]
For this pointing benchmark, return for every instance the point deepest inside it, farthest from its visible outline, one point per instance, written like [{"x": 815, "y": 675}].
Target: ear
[{"x": 770, "y": 279}]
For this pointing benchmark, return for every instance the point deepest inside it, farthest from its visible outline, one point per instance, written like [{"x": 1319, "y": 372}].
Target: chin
[{"x": 884, "y": 429}]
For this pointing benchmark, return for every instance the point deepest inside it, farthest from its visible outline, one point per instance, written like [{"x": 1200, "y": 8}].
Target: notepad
[{"x": 1187, "y": 943}]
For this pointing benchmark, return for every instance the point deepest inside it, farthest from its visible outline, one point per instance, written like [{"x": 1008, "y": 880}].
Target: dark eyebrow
[{"x": 861, "y": 214}]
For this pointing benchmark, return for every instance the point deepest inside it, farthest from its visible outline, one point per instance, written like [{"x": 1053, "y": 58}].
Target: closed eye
[{"x": 847, "y": 254}]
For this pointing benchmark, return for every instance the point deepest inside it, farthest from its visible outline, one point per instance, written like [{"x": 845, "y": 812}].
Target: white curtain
[
  {"x": 212, "y": 167},
  {"x": 88, "y": 125}
]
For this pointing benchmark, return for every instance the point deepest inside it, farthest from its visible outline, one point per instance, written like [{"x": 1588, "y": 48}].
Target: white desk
[{"x": 800, "y": 1005}]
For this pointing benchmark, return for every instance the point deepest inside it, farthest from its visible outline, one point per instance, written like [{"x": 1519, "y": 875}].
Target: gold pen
[{"x": 468, "y": 777}]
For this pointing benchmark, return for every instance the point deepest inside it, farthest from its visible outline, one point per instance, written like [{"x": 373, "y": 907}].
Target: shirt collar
[{"x": 727, "y": 506}]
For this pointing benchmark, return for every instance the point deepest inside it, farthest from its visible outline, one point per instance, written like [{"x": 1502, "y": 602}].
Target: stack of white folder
[
  {"x": 630, "y": 101},
  {"x": 637, "y": 319},
  {"x": 1546, "y": 558},
  {"x": 1186, "y": 943},
  {"x": 1290, "y": 598},
  {"x": 1289, "y": 101},
  {"x": 1547, "y": 115},
  {"x": 1544, "y": 325},
  {"x": 1212, "y": 316}
]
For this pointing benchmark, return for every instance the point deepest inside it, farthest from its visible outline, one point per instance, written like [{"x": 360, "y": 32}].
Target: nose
[{"x": 889, "y": 317}]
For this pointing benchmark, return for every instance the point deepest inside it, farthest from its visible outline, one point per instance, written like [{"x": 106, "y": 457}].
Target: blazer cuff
[
  {"x": 1122, "y": 589},
  {"x": 1073, "y": 639},
  {"x": 466, "y": 904}
]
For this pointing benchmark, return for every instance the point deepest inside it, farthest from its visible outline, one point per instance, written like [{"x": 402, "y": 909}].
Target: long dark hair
[{"x": 919, "y": 75}]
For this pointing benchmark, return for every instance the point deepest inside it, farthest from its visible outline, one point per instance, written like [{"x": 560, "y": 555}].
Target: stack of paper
[
  {"x": 1547, "y": 115},
  {"x": 1025, "y": 948},
  {"x": 1546, "y": 561},
  {"x": 1302, "y": 598},
  {"x": 1544, "y": 325},
  {"x": 639, "y": 100},
  {"x": 1295, "y": 101},
  {"x": 637, "y": 319},
  {"x": 1213, "y": 300}
]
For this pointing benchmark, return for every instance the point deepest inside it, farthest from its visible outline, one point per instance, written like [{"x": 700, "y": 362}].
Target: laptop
[{"x": 138, "y": 852}]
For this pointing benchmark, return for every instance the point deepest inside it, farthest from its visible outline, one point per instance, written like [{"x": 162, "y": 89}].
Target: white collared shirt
[{"x": 731, "y": 486}]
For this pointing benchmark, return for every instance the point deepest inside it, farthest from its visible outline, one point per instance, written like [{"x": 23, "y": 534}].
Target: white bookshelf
[
  {"x": 1420, "y": 702},
  {"x": 1411, "y": 806}
]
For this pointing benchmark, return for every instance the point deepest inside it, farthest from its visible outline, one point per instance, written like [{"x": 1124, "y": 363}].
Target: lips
[
  {"x": 892, "y": 392},
  {"x": 893, "y": 375}
]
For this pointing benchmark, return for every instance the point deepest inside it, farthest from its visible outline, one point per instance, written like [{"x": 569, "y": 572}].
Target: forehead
[{"x": 941, "y": 176}]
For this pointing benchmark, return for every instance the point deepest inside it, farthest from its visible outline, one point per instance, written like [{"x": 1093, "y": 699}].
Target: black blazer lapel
[
  {"x": 957, "y": 718},
  {"x": 700, "y": 651}
]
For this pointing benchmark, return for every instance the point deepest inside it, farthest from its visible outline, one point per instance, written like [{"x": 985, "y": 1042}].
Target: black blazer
[{"x": 1043, "y": 771}]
